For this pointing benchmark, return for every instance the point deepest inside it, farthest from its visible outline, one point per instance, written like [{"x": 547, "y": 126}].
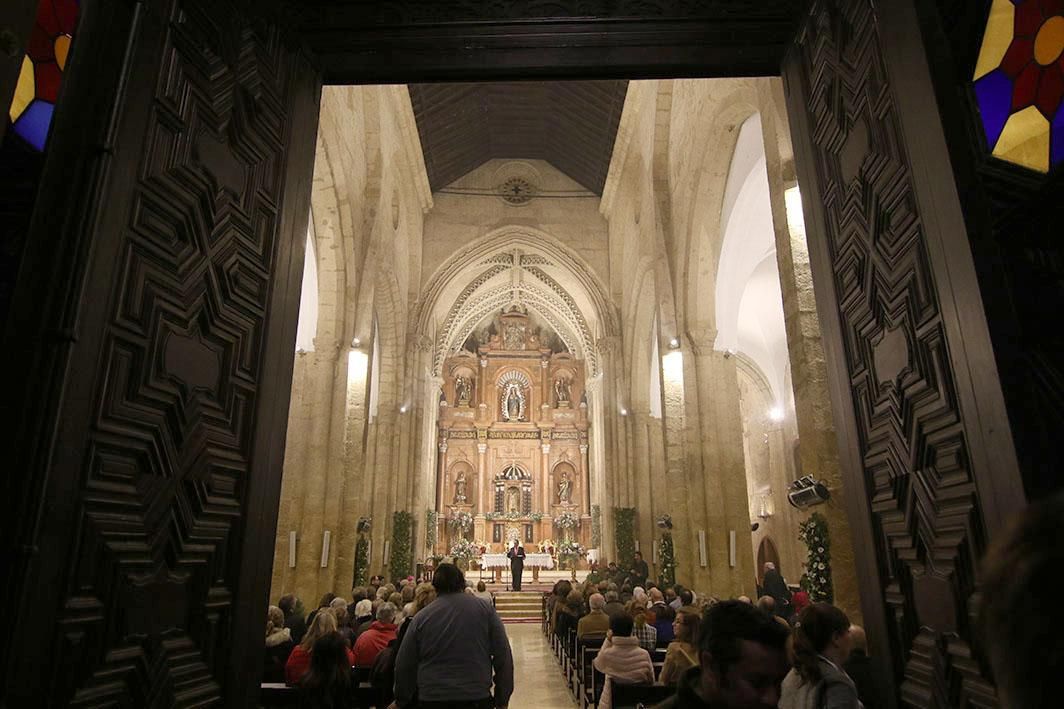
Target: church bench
[
  {"x": 628, "y": 696},
  {"x": 275, "y": 695}
]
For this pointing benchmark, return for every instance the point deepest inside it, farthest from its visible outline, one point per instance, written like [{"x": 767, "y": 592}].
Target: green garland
[
  {"x": 596, "y": 526},
  {"x": 624, "y": 521},
  {"x": 401, "y": 563},
  {"x": 361, "y": 561},
  {"x": 431, "y": 521},
  {"x": 667, "y": 561},
  {"x": 817, "y": 580}
]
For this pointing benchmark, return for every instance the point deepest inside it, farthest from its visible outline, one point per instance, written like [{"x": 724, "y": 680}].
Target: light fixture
[
  {"x": 776, "y": 413},
  {"x": 624, "y": 412},
  {"x": 674, "y": 343},
  {"x": 356, "y": 343},
  {"x": 402, "y": 409},
  {"x": 702, "y": 560},
  {"x": 325, "y": 538},
  {"x": 731, "y": 548},
  {"x": 292, "y": 550}
]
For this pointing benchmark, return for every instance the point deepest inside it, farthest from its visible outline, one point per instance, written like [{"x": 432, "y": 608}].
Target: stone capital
[{"x": 701, "y": 340}]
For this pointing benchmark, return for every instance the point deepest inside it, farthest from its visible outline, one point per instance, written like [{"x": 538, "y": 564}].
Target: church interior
[{"x": 302, "y": 295}]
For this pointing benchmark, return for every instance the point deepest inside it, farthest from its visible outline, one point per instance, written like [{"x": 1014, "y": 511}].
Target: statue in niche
[
  {"x": 462, "y": 389},
  {"x": 513, "y": 500},
  {"x": 460, "y": 488},
  {"x": 565, "y": 489},
  {"x": 513, "y": 402},
  {"x": 561, "y": 391},
  {"x": 513, "y": 337}
]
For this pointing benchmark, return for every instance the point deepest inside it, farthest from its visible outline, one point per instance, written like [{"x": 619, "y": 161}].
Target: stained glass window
[
  {"x": 1019, "y": 82},
  {"x": 42, "y": 71}
]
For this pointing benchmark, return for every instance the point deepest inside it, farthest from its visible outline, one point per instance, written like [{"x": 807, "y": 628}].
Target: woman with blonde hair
[
  {"x": 682, "y": 654},
  {"x": 278, "y": 645},
  {"x": 299, "y": 661}
]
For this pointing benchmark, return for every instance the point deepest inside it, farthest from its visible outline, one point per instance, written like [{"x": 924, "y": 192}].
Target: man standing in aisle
[
  {"x": 453, "y": 652},
  {"x": 517, "y": 564}
]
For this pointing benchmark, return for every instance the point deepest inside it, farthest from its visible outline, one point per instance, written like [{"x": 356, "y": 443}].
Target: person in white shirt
[{"x": 621, "y": 659}]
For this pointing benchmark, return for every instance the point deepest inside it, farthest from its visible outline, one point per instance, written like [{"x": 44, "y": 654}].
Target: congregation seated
[
  {"x": 362, "y": 619},
  {"x": 621, "y": 659},
  {"x": 376, "y": 638},
  {"x": 294, "y": 618},
  {"x": 647, "y": 633},
  {"x": 327, "y": 682},
  {"x": 613, "y": 603},
  {"x": 660, "y": 616},
  {"x": 596, "y": 622},
  {"x": 299, "y": 660},
  {"x": 821, "y": 647},
  {"x": 278, "y": 645},
  {"x": 767, "y": 604},
  {"x": 568, "y": 614},
  {"x": 682, "y": 653},
  {"x": 483, "y": 593}
]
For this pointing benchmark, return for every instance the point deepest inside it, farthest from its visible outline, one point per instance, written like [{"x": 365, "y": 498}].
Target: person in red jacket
[
  {"x": 299, "y": 661},
  {"x": 380, "y": 633}
]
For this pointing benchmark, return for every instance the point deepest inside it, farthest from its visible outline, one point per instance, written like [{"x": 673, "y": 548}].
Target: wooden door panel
[
  {"x": 165, "y": 478},
  {"x": 911, "y": 419}
]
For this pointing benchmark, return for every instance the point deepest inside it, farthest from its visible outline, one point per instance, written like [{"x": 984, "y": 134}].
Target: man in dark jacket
[
  {"x": 776, "y": 587},
  {"x": 871, "y": 689},
  {"x": 744, "y": 661},
  {"x": 294, "y": 619}
]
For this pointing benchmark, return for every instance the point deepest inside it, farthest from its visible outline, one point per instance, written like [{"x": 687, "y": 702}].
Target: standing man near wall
[{"x": 517, "y": 564}]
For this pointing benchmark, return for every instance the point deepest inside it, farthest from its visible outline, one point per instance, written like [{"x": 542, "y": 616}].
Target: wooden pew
[{"x": 629, "y": 696}]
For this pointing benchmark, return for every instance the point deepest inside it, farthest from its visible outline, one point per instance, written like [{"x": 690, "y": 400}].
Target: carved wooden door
[
  {"x": 153, "y": 438},
  {"x": 928, "y": 461}
]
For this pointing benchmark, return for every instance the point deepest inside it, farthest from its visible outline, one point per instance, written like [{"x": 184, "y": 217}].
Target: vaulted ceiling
[{"x": 570, "y": 124}]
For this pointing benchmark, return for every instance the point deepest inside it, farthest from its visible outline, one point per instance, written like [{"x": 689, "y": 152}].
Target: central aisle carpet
[{"x": 538, "y": 680}]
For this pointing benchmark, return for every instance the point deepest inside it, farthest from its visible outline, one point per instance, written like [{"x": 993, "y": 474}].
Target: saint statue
[
  {"x": 462, "y": 389},
  {"x": 512, "y": 402},
  {"x": 460, "y": 488},
  {"x": 513, "y": 500},
  {"x": 561, "y": 391},
  {"x": 565, "y": 489}
]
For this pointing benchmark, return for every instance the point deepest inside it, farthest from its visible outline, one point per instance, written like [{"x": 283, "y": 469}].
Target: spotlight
[
  {"x": 402, "y": 409},
  {"x": 624, "y": 412},
  {"x": 674, "y": 344},
  {"x": 776, "y": 413},
  {"x": 356, "y": 343}
]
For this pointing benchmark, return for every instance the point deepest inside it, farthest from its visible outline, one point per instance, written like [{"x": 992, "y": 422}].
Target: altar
[{"x": 500, "y": 562}]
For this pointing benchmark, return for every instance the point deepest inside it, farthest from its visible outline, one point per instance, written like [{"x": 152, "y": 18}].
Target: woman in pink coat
[{"x": 621, "y": 659}]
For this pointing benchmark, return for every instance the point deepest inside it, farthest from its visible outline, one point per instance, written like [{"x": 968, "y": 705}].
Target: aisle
[{"x": 538, "y": 680}]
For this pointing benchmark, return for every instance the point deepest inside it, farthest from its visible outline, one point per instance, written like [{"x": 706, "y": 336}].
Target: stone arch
[{"x": 703, "y": 220}]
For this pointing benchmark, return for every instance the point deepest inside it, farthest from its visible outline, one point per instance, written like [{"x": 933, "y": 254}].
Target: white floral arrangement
[
  {"x": 465, "y": 549},
  {"x": 566, "y": 520},
  {"x": 817, "y": 580},
  {"x": 461, "y": 521},
  {"x": 571, "y": 550}
]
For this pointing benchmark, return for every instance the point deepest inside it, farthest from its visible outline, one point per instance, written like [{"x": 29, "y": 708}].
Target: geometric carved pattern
[
  {"x": 156, "y": 559},
  {"x": 923, "y": 502}
]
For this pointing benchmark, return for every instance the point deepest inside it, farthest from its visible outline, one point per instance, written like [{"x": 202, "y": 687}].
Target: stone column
[
  {"x": 818, "y": 446},
  {"x": 585, "y": 480},
  {"x": 545, "y": 390},
  {"x": 546, "y": 490},
  {"x": 441, "y": 476},
  {"x": 718, "y": 443}
]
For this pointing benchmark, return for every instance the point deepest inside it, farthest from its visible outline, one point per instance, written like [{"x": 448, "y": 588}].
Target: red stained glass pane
[
  {"x": 1018, "y": 56},
  {"x": 47, "y": 19},
  {"x": 1051, "y": 7},
  {"x": 66, "y": 11},
  {"x": 48, "y": 79},
  {"x": 41, "y": 47},
  {"x": 1028, "y": 18},
  {"x": 1026, "y": 87},
  {"x": 1050, "y": 91}
]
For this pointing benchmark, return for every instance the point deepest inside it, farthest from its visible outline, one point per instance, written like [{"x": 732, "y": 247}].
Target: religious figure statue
[
  {"x": 460, "y": 488},
  {"x": 561, "y": 391},
  {"x": 565, "y": 489},
  {"x": 512, "y": 402},
  {"x": 513, "y": 500},
  {"x": 513, "y": 337},
  {"x": 462, "y": 390}
]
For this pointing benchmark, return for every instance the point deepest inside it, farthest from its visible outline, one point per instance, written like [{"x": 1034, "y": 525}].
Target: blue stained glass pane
[
  {"x": 32, "y": 126},
  {"x": 994, "y": 95},
  {"x": 1056, "y": 138}
]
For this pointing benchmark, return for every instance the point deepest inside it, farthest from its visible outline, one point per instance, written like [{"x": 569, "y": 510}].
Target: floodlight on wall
[
  {"x": 674, "y": 343},
  {"x": 292, "y": 550},
  {"x": 806, "y": 492},
  {"x": 702, "y": 561},
  {"x": 731, "y": 548},
  {"x": 402, "y": 409},
  {"x": 672, "y": 367},
  {"x": 356, "y": 343},
  {"x": 624, "y": 412},
  {"x": 325, "y": 538},
  {"x": 776, "y": 414}
]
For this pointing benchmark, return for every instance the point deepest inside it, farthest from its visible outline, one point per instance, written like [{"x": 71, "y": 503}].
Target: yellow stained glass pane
[
  {"x": 997, "y": 39},
  {"x": 1025, "y": 140},
  {"x": 1049, "y": 43},
  {"x": 25, "y": 90},
  {"x": 62, "y": 49}
]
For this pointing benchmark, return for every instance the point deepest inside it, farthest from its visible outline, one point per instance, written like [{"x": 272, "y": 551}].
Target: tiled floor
[{"x": 538, "y": 679}]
